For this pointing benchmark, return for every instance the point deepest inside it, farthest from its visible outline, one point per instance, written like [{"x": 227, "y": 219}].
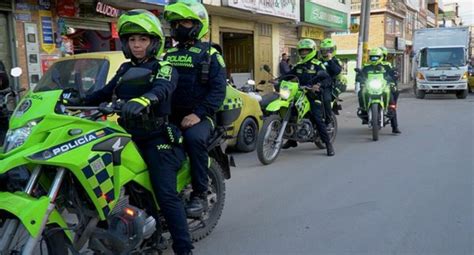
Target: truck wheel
[
  {"x": 420, "y": 94},
  {"x": 462, "y": 94}
]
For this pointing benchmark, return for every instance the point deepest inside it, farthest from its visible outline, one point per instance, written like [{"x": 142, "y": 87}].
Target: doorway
[{"x": 238, "y": 56}]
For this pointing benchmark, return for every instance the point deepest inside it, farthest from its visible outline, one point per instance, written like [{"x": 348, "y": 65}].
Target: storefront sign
[
  {"x": 311, "y": 32},
  {"x": 400, "y": 43},
  {"x": 323, "y": 16},
  {"x": 25, "y": 17},
  {"x": 289, "y": 9},
  {"x": 66, "y": 8},
  {"x": 47, "y": 38},
  {"x": 107, "y": 10}
]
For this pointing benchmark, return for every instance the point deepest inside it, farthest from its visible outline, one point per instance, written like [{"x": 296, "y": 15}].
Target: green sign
[{"x": 323, "y": 16}]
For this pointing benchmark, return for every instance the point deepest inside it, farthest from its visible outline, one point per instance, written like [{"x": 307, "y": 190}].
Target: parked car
[
  {"x": 247, "y": 126},
  {"x": 94, "y": 70}
]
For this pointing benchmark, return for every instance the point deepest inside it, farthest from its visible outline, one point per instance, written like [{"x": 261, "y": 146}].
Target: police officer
[
  {"x": 327, "y": 55},
  {"x": 200, "y": 91},
  {"x": 311, "y": 73},
  {"x": 144, "y": 115},
  {"x": 376, "y": 65}
]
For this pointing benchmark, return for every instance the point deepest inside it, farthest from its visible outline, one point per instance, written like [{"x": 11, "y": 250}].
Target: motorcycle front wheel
[
  {"x": 375, "y": 111},
  {"x": 52, "y": 242},
  {"x": 267, "y": 147}
]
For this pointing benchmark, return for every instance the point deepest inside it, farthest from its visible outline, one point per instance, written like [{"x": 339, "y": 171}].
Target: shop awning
[{"x": 137, "y": 4}]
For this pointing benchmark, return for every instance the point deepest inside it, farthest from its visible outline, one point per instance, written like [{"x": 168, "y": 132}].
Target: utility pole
[{"x": 363, "y": 42}]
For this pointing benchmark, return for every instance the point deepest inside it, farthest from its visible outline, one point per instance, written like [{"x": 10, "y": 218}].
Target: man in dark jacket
[
  {"x": 200, "y": 91},
  {"x": 284, "y": 67},
  {"x": 4, "y": 82}
]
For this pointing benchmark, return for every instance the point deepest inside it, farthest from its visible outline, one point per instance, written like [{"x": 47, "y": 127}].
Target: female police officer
[{"x": 144, "y": 115}]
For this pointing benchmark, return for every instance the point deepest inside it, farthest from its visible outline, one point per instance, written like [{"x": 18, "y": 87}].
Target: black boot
[
  {"x": 395, "y": 130},
  {"x": 330, "y": 150},
  {"x": 289, "y": 144},
  {"x": 196, "y": 206}
]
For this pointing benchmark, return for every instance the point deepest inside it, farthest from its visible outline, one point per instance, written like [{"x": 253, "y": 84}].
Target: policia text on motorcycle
[
  {"x": 312, "y": 73},
  {"x": 145, "y": 114},
  {"x": 199, "y": 93}
]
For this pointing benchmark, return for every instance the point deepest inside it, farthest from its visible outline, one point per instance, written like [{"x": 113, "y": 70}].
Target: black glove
[{"x": 135, "y": 106}]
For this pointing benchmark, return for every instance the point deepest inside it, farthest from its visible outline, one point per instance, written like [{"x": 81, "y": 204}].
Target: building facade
[{"x": 392, "y": 24}]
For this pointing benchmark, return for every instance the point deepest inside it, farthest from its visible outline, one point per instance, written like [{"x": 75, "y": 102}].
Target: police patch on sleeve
[
  {"x": 220, "y": 59},
  {"x": 165, "y": 73}
]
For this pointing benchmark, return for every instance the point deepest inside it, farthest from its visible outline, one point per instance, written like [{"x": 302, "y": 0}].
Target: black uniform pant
[
  {"x": 195, "y": 143},
  {"x": 317, "y": 119},
  {"x": 326, "y": 96},
  {"x": 164, "y": 160}
]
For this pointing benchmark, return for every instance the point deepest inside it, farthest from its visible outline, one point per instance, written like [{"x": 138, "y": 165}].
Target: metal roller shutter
[{"x": 87, "y": 24}]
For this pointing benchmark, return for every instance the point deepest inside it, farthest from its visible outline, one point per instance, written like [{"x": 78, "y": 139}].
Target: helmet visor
[
  {"x": 374, "y": 58},
  {"x": 327, "y": 51},
  {"x": 304, "y": 52}
]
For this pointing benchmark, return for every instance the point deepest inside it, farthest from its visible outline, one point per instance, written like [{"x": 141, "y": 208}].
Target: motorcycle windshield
[{"x": 34, "y": 106}]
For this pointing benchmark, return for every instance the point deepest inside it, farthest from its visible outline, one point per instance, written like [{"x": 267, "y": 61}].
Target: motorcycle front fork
[
  {"x": 279, "y": 139},
  {"x": 12, "y": 226}
]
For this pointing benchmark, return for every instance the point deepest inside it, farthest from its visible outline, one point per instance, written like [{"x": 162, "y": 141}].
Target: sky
[{"x": 466, "y": 10}]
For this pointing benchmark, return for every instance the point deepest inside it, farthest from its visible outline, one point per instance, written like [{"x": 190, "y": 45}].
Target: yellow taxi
[{"x": 247, "y": 126}]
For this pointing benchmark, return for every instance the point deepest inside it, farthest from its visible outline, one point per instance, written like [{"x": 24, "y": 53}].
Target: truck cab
[{"x": 440, "y": 63}]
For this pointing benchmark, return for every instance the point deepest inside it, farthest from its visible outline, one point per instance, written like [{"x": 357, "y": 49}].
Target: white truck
[{"x": 440, "y": 61}]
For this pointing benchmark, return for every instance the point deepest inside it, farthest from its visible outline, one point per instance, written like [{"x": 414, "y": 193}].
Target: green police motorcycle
[
  {"x": 287, "y": 116},
  {"x": 71, "y": 180},
  {"x": 375, "y": 98}
]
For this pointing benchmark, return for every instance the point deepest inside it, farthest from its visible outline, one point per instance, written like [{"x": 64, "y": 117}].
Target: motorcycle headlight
[
  {"x": 284, "y": 94},
  {"x": 17, "y": 137},
  {"x": 375, "y": 84}
]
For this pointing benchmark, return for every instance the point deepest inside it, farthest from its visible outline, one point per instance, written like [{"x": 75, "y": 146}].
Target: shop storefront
[
  {"x": 249, "y": 33},
  {"x": 89, "y": 28}
]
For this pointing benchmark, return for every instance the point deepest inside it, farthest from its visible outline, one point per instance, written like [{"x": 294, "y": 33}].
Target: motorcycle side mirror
[
  {"x": 267, "y": 68},
  {"x": 136, "y": 74},
  {"x": 357, "y": 70},
  {"x": 261, "y": 82},
  {"x": 251, "y": 82},
  {"x": 16, "y": 72}
]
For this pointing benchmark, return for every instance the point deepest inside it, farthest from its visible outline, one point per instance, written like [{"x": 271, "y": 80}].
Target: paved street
[{"x": 407, "y": 194}]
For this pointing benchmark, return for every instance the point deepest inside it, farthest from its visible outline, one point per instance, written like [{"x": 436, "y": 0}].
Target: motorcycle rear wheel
[
  {"x": 267, "y": 149},
  {"x": 201, "y": 228}
]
